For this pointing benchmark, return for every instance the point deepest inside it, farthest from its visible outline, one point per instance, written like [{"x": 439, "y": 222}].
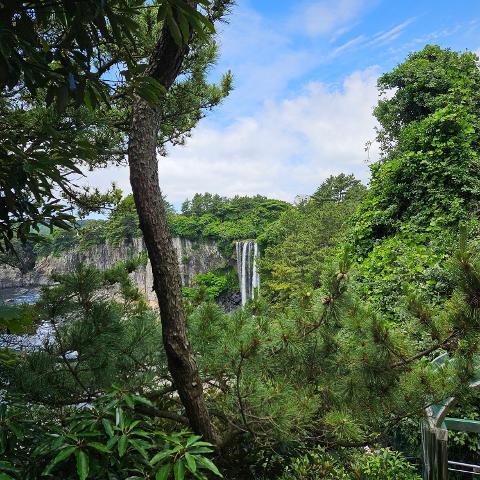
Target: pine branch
[{"x": 425, "y": 352}]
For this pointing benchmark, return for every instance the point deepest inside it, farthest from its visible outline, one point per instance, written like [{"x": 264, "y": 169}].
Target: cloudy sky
[{"x": 304, "y": 76}]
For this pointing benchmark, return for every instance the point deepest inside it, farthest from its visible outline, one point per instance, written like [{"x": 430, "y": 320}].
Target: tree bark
[{"x": 164, "y": 66}]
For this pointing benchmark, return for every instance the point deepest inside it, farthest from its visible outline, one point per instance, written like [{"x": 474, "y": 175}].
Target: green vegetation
[
  {"x": 321, "y": 376},
  {"x": 226, "y": 219},
  {"x": 113, "y": 438},
  {"x": 209, "y": 217},
  {"x": 427, "y": 179},
  {"x": 334, "y": 370},
  {"x": 210, "y": 286},
  {"x": 301, "y": 244},
  {"x": 345, "y": 465},
  {"x": 61, "y": 111}
]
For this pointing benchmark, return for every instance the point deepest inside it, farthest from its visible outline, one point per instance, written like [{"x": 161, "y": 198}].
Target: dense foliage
[
  {"x": 361, "y": 289},
  {"x": 427, "y": 179},
  {"x": 223, "y": 220},
  {"x": 333, "y": 370},
  {"x": 210, "y": 286},
  {"x": 346, "y": 465},
  {"x": 301, "y": 244},
  {"x": 112, "y": 438},
  {"x": 226, "y": 219}
]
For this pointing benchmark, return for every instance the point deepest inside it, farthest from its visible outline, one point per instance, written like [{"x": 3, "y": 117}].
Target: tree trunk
[{"x": 164, "y": 66}]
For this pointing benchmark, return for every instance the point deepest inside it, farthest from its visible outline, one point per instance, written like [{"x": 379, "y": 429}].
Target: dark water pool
[{"x": 19, "y": 295}]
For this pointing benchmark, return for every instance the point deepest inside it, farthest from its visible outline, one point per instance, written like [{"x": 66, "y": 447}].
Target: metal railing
[{"x": 460, "y": 467}]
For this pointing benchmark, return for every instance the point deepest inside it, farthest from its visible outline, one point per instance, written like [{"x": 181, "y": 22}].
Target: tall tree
[
  {"x": 429, "y": 135},
  {"x": 74, "y": 45},
  {"x": 164, "y": 66},
  {"x": 426, "y": 180}
]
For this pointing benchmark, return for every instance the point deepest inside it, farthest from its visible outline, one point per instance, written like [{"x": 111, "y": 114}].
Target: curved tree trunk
[{"x": 164, "y": 66}]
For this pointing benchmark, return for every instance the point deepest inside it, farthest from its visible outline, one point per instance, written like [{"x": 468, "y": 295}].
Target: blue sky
[{"x": 304, "y": 76}]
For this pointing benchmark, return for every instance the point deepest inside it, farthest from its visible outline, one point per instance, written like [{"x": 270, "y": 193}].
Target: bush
[
  {"x": 316, "y": 465},
  {"x": 108, "y": 439},
  {"x": 210, "y": 285},
  {"x": 383, "y": 464}
]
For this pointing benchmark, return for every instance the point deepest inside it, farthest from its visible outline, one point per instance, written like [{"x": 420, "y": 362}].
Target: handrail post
[{"x": 435, "y": 452}]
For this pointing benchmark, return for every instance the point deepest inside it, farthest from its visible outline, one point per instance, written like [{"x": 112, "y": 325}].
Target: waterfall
[{"x": 248, "y": 276}]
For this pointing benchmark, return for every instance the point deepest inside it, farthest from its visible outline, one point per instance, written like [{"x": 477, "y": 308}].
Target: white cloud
[
  {"x": 391, "y": 34},
  {"x": 348, "y": 45},
  {"x": 287, "y": 148},
  {"x": 322, "y": 17}
]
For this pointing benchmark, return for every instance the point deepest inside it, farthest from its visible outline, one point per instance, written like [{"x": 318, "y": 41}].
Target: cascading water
[{"x": 248, "y": 276}]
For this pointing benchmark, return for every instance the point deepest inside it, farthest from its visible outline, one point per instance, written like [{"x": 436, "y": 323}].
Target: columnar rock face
[{"x": 193, "y": 258}]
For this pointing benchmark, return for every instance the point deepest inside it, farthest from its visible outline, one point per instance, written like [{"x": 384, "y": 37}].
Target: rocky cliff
[{"x": 193, "y": 258}]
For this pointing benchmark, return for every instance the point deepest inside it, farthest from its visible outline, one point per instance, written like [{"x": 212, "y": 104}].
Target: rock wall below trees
[{"x": 193, "y": 258}]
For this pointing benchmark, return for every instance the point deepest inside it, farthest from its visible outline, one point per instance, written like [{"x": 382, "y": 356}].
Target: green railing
[{"x": 435, "y": 429}]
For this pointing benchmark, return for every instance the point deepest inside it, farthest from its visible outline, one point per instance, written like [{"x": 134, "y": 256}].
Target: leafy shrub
[
  {"x": 210, "y": 285},
  {"x": 385, "y": 464},
  {"x": 402, "y": 265},
  {"x": 382, "y": 464},
  {"x": 108, "y": 439},
  {"x": 316, "y": 465}
]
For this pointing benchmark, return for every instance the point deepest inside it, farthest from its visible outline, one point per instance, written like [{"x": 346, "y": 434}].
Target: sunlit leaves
[{"x": 84, "y": 446}]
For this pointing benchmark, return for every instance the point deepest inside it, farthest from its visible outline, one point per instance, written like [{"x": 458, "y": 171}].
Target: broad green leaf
[
  {"x": 111, "y": 442},
  {"x": 193, "y": 439},
  {"x": 133, "y": 424},
  {"x": 198, "y": 474},
  {"x": 118, "y": 417},
  {"x": 179, "y": 470},
  {"x": 201, "y": 444},
  {"x": 139, "y": 398},
  {"x": 173, "y": 28},
  {"x": 196, "y": 450},
  {"x": 108, "y": 427},
  {"x": 191, "y": 464},
  {"x": 82, "y": 464},
  {"x": 122, "y": 445},
  {"x": 207, "y": 463},
  {"x": 184, "y": 27},
  {"x": 129, "y": 401},
  {"x": 61, "y": 456},
  {"x": 164, "y": 472},
  {"x": 139, "y": 448},
  {"x": 150, "y": 89},
  {"x": 99, "y": 446},
  {"x": 160, "y": 456}
]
